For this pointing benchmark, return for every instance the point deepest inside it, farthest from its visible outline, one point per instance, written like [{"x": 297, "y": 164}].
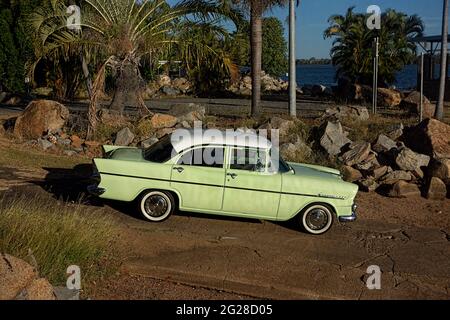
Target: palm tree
[
  {"x": 257, "y": 8},
  {"x": 352, "y": 46},
  {"x": 440, "y": 105},
  {"x": 120, "y": 34}
]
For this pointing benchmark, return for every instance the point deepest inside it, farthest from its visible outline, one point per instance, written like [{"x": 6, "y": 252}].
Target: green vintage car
[{"x": 231, "y": 174}]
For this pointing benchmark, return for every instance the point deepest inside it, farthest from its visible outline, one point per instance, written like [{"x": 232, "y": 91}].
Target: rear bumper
[
  {"x": 95, "y": 190},
  {"x": 351, "y": 217}
]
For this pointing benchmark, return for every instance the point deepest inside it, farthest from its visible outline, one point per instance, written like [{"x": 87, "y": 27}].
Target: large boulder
[
  {"x": 161, "y": 121},
  {"x": 183, "y": 85},
  {"x": 384, "y": 144},
  {"x": 38, "y": 289},
  {"x": 39, "y": 118},
  {"x": 370, "y": 163},
  {"x": 124, "y": 137},
  {"x": 276, "y": 123},
  {"x": 163, "y": 80},
  {"x": 368, "y": 185},
  {"x": 15, "y": 275},
  {"x": 188, "y": 112},
  {"x": 437, "y": 189},
  {"x": 350, "y": 174},
  {"x": 359, "y": 151},
  {"x": 18, "y": 280},
  {"x": 170, "y": 91},
  {"x": 347, "y": 112},
  {"x": 403, "y": 189},
  {"x": 441, "y": 169},
  {"x": 333, "y": 138},
  {"x": 396, "y": 176},
  {"x": 298, "y": 150},
  {"x": 408, "y": 160},
  {"x": 395, "y": 131},
  {"x": 430, "y": 137},
  {"x": 389, "y": 98},
  {"x": 412, "y": 104}
]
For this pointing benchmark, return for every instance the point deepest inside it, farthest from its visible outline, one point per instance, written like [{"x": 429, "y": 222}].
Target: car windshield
[
  {"x": 161, "y": 151},
  {"x": 277, "y": 163}
]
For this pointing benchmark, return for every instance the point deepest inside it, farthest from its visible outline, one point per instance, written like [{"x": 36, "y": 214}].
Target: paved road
[
  {"x": 269, "y": 260},
  {"x": 305, "y": 107}
]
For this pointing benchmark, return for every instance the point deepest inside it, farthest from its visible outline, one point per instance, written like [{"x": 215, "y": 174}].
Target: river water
[{"x": 325, "y": 75}]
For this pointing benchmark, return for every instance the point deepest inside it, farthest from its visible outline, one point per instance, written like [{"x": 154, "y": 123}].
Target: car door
[
  {"x": 250, "y": 189},
  {"x": 199, "y": 178}
]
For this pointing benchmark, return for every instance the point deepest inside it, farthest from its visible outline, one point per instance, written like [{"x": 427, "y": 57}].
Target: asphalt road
[{"x": 276, "y": 105}]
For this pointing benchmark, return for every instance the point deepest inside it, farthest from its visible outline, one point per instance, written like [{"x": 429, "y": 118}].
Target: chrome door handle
[
  {"x": 232, "y": 175},
  {"x": 179, "y": 169}
]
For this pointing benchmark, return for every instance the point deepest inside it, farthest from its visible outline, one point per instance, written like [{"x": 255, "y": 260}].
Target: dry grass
[
  {"x": 30, "y": 157},
  {"x": 369, "y": 130},
  {"x": 57, "y": 235}
]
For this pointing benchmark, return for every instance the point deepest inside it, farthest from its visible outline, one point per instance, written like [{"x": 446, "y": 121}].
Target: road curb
[{"x": 232, "y": 286}]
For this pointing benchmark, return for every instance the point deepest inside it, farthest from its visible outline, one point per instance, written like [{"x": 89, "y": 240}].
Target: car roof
[{"x": 183, "y": 139}]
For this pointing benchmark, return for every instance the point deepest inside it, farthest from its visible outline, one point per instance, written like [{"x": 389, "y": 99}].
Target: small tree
[{"x": 274, "y": 54}]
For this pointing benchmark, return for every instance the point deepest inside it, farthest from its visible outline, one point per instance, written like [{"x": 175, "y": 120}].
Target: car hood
[
  {"x": 126, "y": 154},
  {"x": 318, "y": 181},
  {"x": 313, "y": 171}
]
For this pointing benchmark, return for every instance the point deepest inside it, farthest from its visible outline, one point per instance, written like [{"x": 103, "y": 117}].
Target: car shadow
[{"x": 69, "y": 185}]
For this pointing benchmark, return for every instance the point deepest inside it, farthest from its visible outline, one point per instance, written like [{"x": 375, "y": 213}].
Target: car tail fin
[{"x": 108, "y": 148}]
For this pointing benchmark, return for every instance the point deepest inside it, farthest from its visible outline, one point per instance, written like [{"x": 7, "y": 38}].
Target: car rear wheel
[
  {"x": 157, "y": 206},
  {"x": 317, "y": 219}
]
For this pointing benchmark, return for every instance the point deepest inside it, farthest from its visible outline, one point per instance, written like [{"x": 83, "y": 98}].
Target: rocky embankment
[{"x": 401, "y": 162}]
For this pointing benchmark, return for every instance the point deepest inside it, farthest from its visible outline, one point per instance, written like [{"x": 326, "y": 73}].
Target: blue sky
[{"x": 312, "y": 16}]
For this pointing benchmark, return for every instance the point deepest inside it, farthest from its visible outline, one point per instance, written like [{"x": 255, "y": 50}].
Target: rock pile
[
  {"x": 389, "y": 98},
  {"x": 400, "y": 164},
  {"x": 165, "y": 86},
  {"x": 269, "y": 84}
]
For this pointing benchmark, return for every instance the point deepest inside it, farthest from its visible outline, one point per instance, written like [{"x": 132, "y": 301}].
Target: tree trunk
[
  {"x": 87, "y": 75},
  {"x": 440, "y": 105},
  {"x": 256, "y": 52},
  {"x": 129, "y": 89}
]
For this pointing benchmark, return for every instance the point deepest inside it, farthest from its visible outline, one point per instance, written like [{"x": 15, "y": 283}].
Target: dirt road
[{"x": 196, "y": 256}]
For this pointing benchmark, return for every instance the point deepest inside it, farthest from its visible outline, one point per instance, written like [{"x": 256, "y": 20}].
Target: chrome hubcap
[
  {"x": 156, "y": 206},
  {"x": 317, "y": 219}
]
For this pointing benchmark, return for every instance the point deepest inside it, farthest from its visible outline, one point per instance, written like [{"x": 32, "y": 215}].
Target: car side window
[
  {"x": 211, "y": 157},
  {"x": 248, "y": 159}
]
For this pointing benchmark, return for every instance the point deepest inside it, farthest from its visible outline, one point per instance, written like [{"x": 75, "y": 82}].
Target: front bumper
[
  {"x": 95, "y": 190},
  {"x": 351, "y": 217}
]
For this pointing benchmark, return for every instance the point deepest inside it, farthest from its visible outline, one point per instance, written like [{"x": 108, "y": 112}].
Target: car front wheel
[
  {"x": 317, "y": 219},
  {"x": 156, "y": 206}
]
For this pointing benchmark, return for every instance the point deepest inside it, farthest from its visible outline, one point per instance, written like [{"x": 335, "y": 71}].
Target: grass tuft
[{"x": 58, "y": 235}]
